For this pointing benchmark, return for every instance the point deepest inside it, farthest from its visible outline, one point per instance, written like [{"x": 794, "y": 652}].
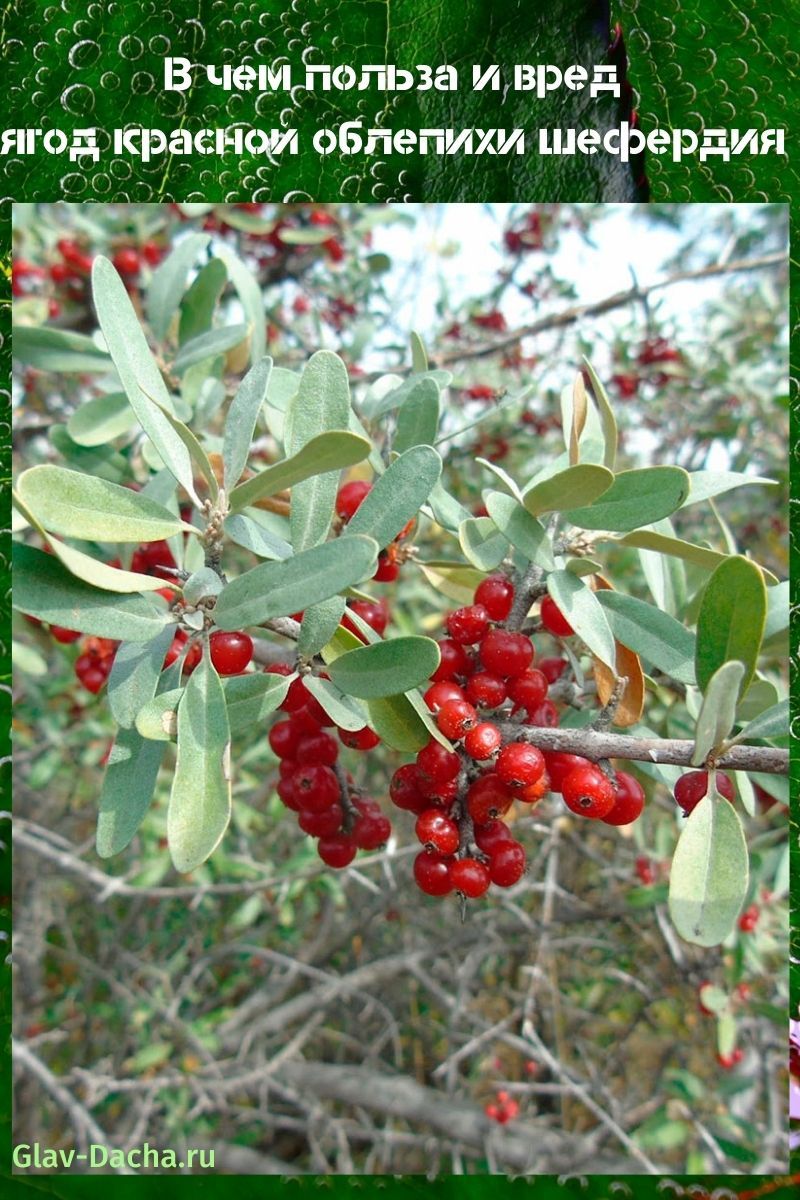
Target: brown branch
[{"x": 671, "y": 751}]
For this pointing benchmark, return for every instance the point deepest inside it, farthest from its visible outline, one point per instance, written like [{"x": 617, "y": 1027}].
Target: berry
[
  {"x": 544, "y": 715},
  {"x": 559, "y": 766},
  {"x": 532, "y": 793},
  {"x": 629, "y": 801},
  {"x": 554, "y": 620},
  {"x": 64, "y": 636},
  {"x": 496, "y": 594},
  {"x": 485, "y": 690},
  {"x": 387, "y": 570},
  {"x": 315, "y": 787},
  {"x": 439, "y": 693},
  {"x": 690, "y": 789},
  {"x": 350, "y": 497},
  {"x": 730, "y": 1060},
  {"x": 491, "y": 835},
  {"x": 507, "y": 864},
  {"x": 339, "y": 850},
  {"x": 506, "y": 654},
  {"x": 432, "y": 873},
  {"x": 488, "y": 797},
  {"x": 644, "y": 871},
  {"x": 371, "y": 830},
  {"x": 439, "y": 764},
  {"x": 519, "y": 764},
  {"x": 127, "y": 261},
  {"x": 440, "y": 793},
  {"x": 359, "y": 739},
  {"x": 317, "y": 748},
  {"x": 152, "y": 253},
  {"x": 482, "y": 741},
  {"x": 321, "y": 824},
  {"x": 283, "y": 739},
  {"x": 470, "y": 877},
  {"x": 749, "y": 919},
  {"x": 468, "y": 625},
  {"x": 529, "y": 689},
  {"x": 437, "y": 831},
  {"x": 374, "y": 612},
  {"x": 455, "y": 718},
  {"x": 589, "y": 792},
  {"x": 553, "y": 668},
  {"x": 404, "y": 791},
  {"x": 453, "y": 661},
  {"x": 230, "y": 652}
]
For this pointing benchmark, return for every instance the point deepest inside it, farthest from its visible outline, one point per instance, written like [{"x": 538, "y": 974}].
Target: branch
[{"x": 673, "y": 751}]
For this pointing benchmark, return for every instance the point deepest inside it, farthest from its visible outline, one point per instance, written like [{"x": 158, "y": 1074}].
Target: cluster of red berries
[
  {"x": 486, "y": 677},
  {"x": 691, "y": 788},
  {"x": 504, "y": 1109},
  {"x": 93, "y": 664},
  {"x": 526, "y": 235},
  {"x": 327, "y": 809},
  {"x": 349, "y": 499},
  {"x": 66, "y": 278}
]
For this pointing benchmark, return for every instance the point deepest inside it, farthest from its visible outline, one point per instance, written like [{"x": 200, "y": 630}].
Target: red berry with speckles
[
  {"x": 469, "y": 877},
  {"x": 559, "y": 766},
  {"x": 438, "y": 763},
  {"x": 283, "y": 739},
  {"x": 321, "y": 824},
  {"x": 64, "y": 636},
  {"x": 488, "y": 797},
  {"x": 432, "y": 873},
  {"x": 491, "y": 835},
  {"x": 553, "y": 668},
  {"x": 456, "y": 718},
  {"x": 505, "y": 653},
  {"x": 315, "y": 787},
  {"x": 387, "y": 571},
  {"x": 529, "y": 689},
  {"x": 374, "y": 612},
  {"x": 554, "y": 620},
  {"x": 691, "y": 788},
  {"x": 371, "y": 830},
  {"x": 359, "y": 739},
  {"x": 482, "y": 741},
  {"x": 468, "y": 625},
  {"x": 437, "y": 831},
  {"x": 439, "y": 693},
  {"x": 519, "y": 764},
  {"x": 231, "y": 653},
  {"x": 453, "y": 662},
  {"x": 485, "y": 690},
  {"x": 404, "y": 789},
  {"x": 507, "y": 864},
  {"x": 496, "y": 594},
  {"x": 545, "y": 715},
  {"x": 629, "y": 801},
  {"x": 339, "y": 850},
  {"x": 317, "y": 748},
  {"x": 587, "y": 791},
  {"x": 350, "y": 497}
]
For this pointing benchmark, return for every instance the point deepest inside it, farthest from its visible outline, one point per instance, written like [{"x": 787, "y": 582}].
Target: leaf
[
  {"x": 197, "y": 452},
  {"x": 249, "y": 699},
  {"x": 253, "y": 537},
  {"x": 43, "y": 588},
  {"x": 705, "y": 484},
  {"x": 200, "y": 801},
  {"x": 252, "y": 301},
  {"x": 503, "y": 477},
  {"x": 82, "y": 506},
  {"x": 128, "y": 787},
  {"x": 135, "y": 674},
  {"x": 730, "y": 623},
  {"x": 713, "y": 998},
  {"x": 324, "y": 453},
  {"x": 378, "y": 406},
  {"x": 718, "y": 711},
  {"x": 137, "y": 370},
  {"x": 454, "y": 580},
  {"x": 58, "y": 350},
  {"x": 385, "y": 668},
  {"x": 346, "y": 712},
  {"x": 772, "y": 723},
  {"x": 240, "y": 421},
  {"x": 418, "y": 417},
  {"x": 607, "y": 419},
  {"x": 709, "y": 873},
  {"x": 397, "y": 723},
  {"x": 584, "y": 612},
  {"x": 101, "y": 419},
  {"x": 321, "y": 404},
  {"x": 482, "y": 542},
  {"x": 397, "y": 496},
  {"x": 419, "y": 357},
  {"x": 660, "y": 543},
  {"x": 657, "y": 637},
  {"x": 446, "y": 510},
  {"x": 168, "y": 284},
  {"x": 521, "y": 529},
  {"x": 277, "y": 589},
  {"x": 208, "y": 345},
  {"x": 319, "y": 624},
  {"x": 197, "y": 306},
  {"x": 777, "y": 610},
  {"x": 578, "y": 419},
  {"x": 636, "y": 498},
  {"x": 627, "y": 665},
  {"x": 580, "y": 484},
  {"x": 203, "y": 583}
]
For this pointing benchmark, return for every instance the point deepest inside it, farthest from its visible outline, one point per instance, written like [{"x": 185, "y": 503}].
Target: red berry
[
  {"x": 297, "y": 696},
  {"x": 488, "y": 797},
  {"x": 470, "y": 877},
  {"x": 59, "y": 272},
  {"x": 230, "y": 652},
  {"x": 644, "y": 871},
  {"x": 439, "y": 693},
  {"x": 371, "y": 830},
  {"x": 629, "y": 801},
  {"x": 317, "y": 748},
  {"x": 491, "y": 835},
  {"x": 587, "y": 791},
  {"x": 315, "y": 787},
  {"x": 553, "y": 668},
  {"x": 432, "y": 873},
  {"x": 316, "y": 713},
  {"x": 529, "y": 689},
  {"x": 359, "y": 739},
  {"x": 519, "y": 764},
  {"x": 387, "y": 570},
  {"x": 152, "y": 253},
  {"x": 545, "y": 715},
  {"x": 339, "y": 850},
  {"x": 350, "y": 497},
  {"x": 468, "y": 625},
  {"x": 456, "y": 718},
  {"x": 127, "y": 261},
  {"x": 439, "y": 793},
  {"x": 507, "y": 864},
  {"x": 691, "y": 788},
  {"x": 554, "y": 620},
  {"x": 730, "y": 1060},
  {"x": 496, "y": 594},
  {"x": 482, "y": 741},
  {"x": 559, "y": 766},
  {"x": 283, "y": 739},
  {"x": 404, "y": 791},
  {"x": 749, "y": 919},
  {"x": 438, "y": 763},
  {"x": 454, "y": 661},
  {"x": 485, "y": 690},
  {"x": 321, "y": 824},
  {"x": 374, "y": 612},
  {"x": 505, "y": 653},
  {"x": 532, "y": 793},
  {"x": 65, "y": 636},
  {"x": 437, "y": 831}
]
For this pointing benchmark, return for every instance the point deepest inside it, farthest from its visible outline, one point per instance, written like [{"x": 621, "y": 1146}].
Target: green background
[{"x": 72, "y": 64}]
